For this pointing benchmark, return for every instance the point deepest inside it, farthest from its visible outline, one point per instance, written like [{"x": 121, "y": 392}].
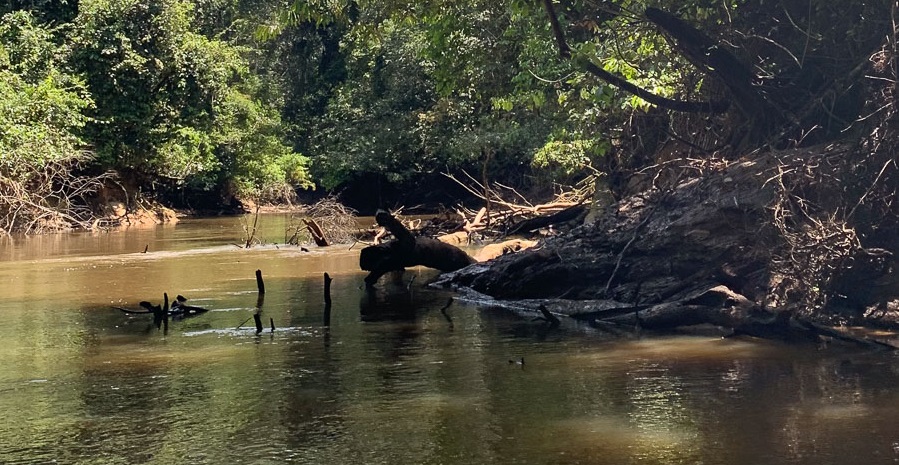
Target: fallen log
[
  {"x": 716, "y": 306},
  {"x": 571, "y": 213},
  {"x": 407, "y": 250}
]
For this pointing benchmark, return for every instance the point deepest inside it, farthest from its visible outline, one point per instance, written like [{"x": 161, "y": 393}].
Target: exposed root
[{"x": 51, "y": 199}]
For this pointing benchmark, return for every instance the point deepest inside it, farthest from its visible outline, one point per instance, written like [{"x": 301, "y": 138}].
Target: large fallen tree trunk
[
  {"x": 718, "y": 306},
  {"x": 407, "y": 250},
  {"x": 531, "y": 224}
]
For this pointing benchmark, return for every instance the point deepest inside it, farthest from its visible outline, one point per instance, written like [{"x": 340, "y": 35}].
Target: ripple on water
[{"x": 245, "y": 332}]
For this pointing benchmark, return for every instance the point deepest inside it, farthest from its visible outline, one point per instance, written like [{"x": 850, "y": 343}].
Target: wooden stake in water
[
  {"x": 259, "y": 283},
  {"x": 327, "y": 315},
  {"x": 258, "y": 319},
  {"x": 260, "y": 299},
  {"x": 165, "y": 313}
]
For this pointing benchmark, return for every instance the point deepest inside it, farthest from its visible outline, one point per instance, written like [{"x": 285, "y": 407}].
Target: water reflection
[{"x": 391, "y": 379}]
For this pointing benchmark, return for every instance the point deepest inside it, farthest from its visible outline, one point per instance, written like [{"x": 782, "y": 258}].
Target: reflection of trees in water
[
  {"x": 311, "y": 391},
  {"x": 37, "y": 391},
  {"x": 138, "y": 410}
]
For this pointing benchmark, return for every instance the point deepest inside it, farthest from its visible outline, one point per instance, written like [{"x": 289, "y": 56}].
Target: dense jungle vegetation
[{"x": 200, "y": 102}]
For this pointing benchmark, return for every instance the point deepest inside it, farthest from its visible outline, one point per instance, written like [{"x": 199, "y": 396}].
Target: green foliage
[
  {"x": 185, "y": 152},
  {"x": 175, "y": 103},
  {"x": 41, "y": 117},
  {"x": 45, "y": 11},
  {"x": 28, "y": 49},
  {"x": 185, "y": 91},
  {"x": 432, "y": 92},
  {"x": 564, "y": 158},
  {"x": 251, "y": 148},
  {"x": 370, "y": 122},
  {"x": 41, "y": 106},
  {"x": 152, "y": 78}
]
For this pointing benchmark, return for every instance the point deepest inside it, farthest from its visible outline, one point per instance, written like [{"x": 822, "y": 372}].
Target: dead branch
[
  {"x": 49, "y": 199},
  {"x": 250, "y": 231},
  {"x": 318, "y": 236},
  {"x": 506, "y": 213},
  {"x": 327, "y": 220}
]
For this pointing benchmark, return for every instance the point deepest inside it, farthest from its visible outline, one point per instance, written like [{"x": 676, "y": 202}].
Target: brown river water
[{"x": 391, "y": 380}]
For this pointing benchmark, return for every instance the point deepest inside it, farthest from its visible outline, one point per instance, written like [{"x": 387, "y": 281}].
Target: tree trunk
[{"x": 407, "y": 250}]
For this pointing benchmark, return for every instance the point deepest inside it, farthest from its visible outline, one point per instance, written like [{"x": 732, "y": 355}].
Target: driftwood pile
[{"x": 506, "y": 212}]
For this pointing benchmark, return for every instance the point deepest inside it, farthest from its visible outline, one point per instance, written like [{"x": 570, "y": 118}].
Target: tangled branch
[
  {"x": 47, "y": 199},
  {"x": 336, "y": 222}
]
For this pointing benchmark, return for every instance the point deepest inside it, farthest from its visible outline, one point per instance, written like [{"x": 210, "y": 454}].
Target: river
[{"x": 392, "y": 380}]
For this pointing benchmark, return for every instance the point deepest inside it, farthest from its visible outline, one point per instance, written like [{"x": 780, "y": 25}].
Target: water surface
[{"x": 392, "y": 380}]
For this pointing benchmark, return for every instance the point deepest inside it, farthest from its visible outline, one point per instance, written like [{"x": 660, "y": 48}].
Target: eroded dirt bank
[{"x": 712, "y": 246}]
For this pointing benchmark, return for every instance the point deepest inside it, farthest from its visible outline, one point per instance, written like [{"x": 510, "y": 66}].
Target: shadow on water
[
  {"x": 398, "y": 300},
  {"x": 390, "y": 304}
]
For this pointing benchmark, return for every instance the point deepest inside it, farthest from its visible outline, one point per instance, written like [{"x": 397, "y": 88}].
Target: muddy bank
[{"x": 704, "y": 248}]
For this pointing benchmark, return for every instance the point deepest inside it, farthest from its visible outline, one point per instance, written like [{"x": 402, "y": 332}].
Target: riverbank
[{"x": 714, "y": 246}]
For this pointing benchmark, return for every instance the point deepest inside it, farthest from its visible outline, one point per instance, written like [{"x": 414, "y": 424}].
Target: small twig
[
  {"x": 328, "y": 289},
  {"x": 258, "y": 319},
  {"x": 624, "y": 249},
  {"x": 251, "y": 234},
  {"x": 870, "y": 188},
  {"x": 243, "y": 323},
  {"x": 260, "y": 285},
  {"x": 326, "y": 317},
  {"x": 443, "y": 310}
]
